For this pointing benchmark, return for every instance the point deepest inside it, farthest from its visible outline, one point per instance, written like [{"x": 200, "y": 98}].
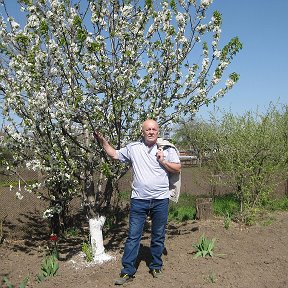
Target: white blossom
[
  {"x": 229, "y": 83},
  {"x": 51, "y": 211},
  {"x": 126, "y": 10},
  {"x": 19, "y": 195},
  {"x": 201, "y": 28},
  {"x": 223, "y": 65},
  {"x": 214, "y": 44},
  {"x": 14, "y": 24},
  {"x": 180, "y": 18},
  {"x": 49, "y": 14},
  {"x": 33, "y": 21},
  {"x": 205, "y": 63},
  {"x": 206, "y": 3},
  {"x": 215, "y": 80},
  {"x": 217, "y": 53}
]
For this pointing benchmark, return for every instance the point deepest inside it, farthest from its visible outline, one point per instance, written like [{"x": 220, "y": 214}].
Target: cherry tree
[{"x": 71, "y": 67}]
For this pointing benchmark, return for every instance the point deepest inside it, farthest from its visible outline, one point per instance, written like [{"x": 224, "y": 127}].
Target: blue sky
[{"x": 261, "y": 26}]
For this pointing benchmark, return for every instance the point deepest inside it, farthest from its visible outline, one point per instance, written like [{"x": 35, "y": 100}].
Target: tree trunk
[
  {"x": 95, "y": 226},
  {"x": 204, "y": 208}
]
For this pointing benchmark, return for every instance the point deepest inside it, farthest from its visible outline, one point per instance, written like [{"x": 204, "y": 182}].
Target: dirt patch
[{"x": 244, "y": 257}]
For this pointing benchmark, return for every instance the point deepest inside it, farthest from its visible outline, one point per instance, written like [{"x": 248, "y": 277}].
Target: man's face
[{"x": 150, "y": 131}]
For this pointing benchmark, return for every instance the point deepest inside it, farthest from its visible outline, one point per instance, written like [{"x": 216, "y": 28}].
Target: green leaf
[
  {"x": 43, "y": 27},
  {"x": 77, "y": 21}
]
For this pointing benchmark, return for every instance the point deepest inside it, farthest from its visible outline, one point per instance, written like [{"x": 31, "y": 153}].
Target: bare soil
[{"x": 251, "y": 257}]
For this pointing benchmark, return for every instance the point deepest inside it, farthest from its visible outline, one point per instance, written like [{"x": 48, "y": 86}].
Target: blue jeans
[{"x": 139, "y": 210}]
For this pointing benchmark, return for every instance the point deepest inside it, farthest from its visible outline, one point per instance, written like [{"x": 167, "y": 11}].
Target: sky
[{"x": 261, "y": 26}]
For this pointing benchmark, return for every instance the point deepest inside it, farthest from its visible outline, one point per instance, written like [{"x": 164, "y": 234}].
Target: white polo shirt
[{"x": 150, "y": 179}]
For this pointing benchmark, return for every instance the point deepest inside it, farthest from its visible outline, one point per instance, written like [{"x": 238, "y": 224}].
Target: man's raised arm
[{"x": 111, "y": 152}]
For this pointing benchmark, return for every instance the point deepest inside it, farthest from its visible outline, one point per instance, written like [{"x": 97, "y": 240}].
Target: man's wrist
[{"x": 164, "y": 162}]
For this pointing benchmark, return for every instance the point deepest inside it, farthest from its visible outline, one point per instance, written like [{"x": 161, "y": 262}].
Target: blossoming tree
[{"x": 107, "y": 65}]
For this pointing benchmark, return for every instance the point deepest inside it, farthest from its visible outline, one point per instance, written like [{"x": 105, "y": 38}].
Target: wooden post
[{"x": 204, "y": 208}]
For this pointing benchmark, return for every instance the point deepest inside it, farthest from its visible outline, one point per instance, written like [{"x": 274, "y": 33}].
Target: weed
[
  {"x": 87, "y": 250},
  {"x": 212, "y": 277},
  {"x": 204, "y": 247},
  {"x": 72, "y": 232},
  {"x": 267, "y": 222},
  {"x": 110, "y": 222},
  {"x": 227, "y": 221},
  {"x": 9, "y": 285}
]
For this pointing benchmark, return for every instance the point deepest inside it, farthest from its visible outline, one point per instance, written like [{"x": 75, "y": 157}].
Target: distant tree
[
  {"x": 251, "y": 155},
  {"x": 76, "y": 66},
  {"x": 282, "y": 124},
  {"x": 197, "y": 135}
]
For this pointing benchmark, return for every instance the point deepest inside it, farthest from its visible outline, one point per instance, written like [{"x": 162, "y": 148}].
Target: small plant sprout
[
  {"x": 227, "y": 221},
  {"x": 212, "y": 277},
  {"x": 204, "y": 247},
  {"x": 10, "y": 285},
  {"x": 87, "y": 250}
]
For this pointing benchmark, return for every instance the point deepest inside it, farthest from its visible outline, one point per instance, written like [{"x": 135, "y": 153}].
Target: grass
[
  {"x": 226, "y": 205},
  {"x": 279, "y": 204},
  {"x": 15, "y": 183},
  {"x": 184, "y": 210},
  {"x": 227, "y": 221}
]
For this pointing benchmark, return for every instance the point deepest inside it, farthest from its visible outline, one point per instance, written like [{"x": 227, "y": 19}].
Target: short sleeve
[
  {"x": 173, "y": 156},
  {"x": 124, "y": 154}
]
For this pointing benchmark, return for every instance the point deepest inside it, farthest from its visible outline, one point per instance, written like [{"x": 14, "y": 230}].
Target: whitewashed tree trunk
[{"x": 95, "y": 226}]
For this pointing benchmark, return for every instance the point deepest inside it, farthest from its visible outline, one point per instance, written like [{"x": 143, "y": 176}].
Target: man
[{"x": 150, "y": 195}]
